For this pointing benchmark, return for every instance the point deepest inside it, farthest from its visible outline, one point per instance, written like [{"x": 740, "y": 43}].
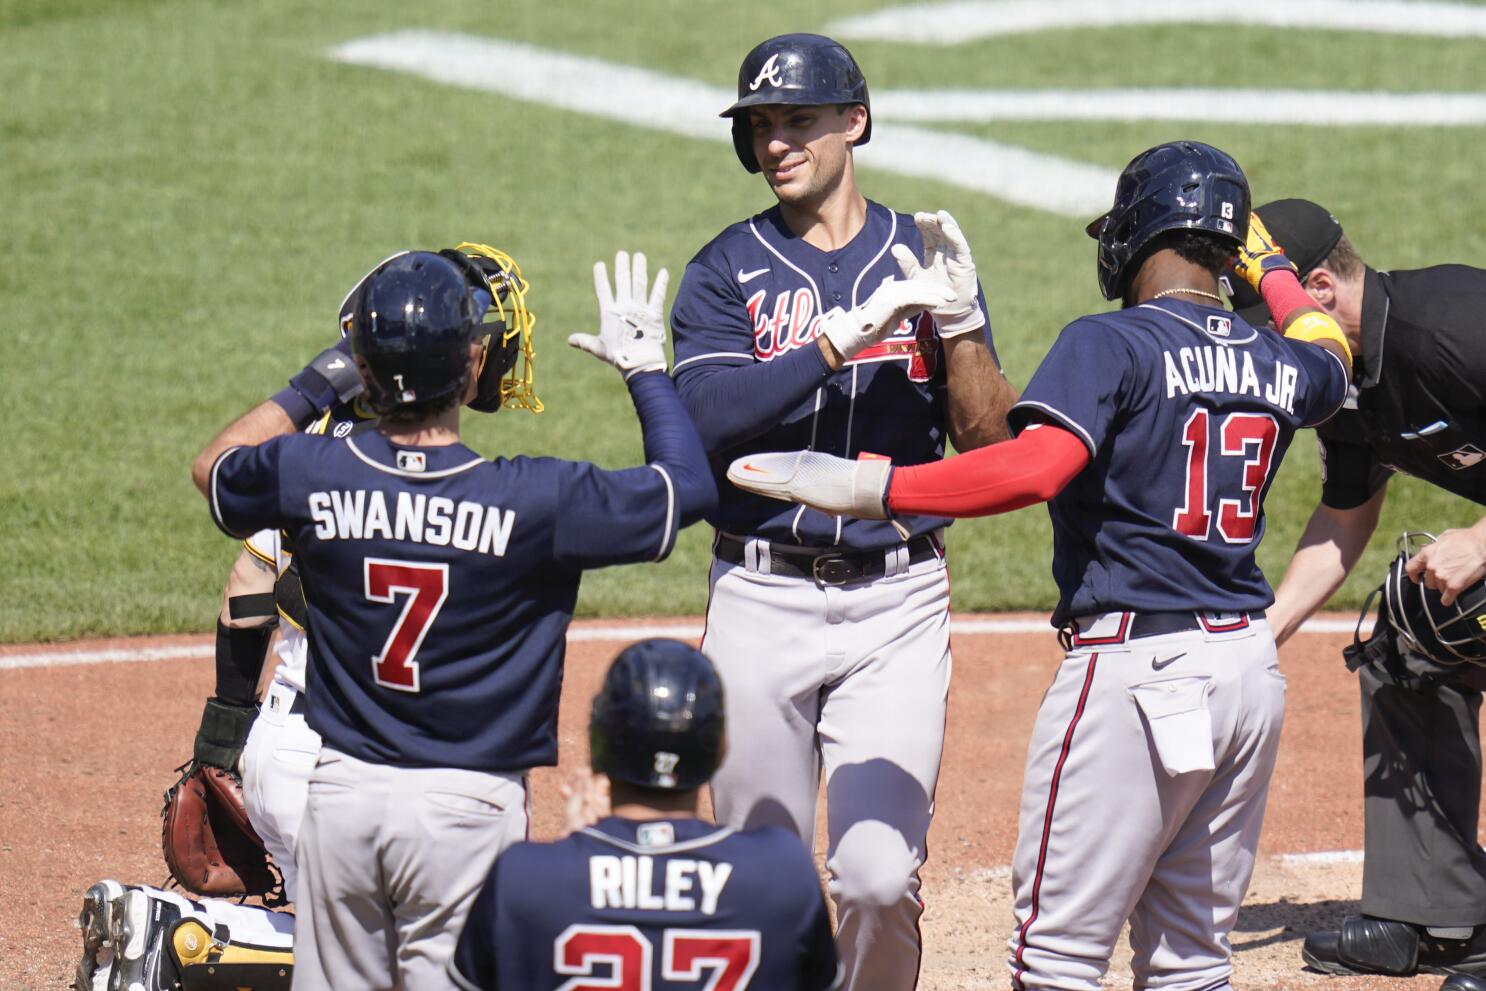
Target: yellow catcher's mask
[{"x": 506, "y": 373}]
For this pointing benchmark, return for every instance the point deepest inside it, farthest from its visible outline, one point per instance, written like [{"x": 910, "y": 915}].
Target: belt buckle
[{"x": 833, "y": 570}]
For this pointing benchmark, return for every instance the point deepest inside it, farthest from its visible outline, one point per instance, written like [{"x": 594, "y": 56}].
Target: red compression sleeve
[
  {"x": 1283, "y": 294},
  {"x": 996, "y": 479}
]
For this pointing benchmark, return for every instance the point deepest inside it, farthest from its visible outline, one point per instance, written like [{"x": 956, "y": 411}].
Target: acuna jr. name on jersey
[
  {"x": 1209, "y": 368},
  {"x": 364, "y": 514},
  {"x": 632, "y": 882}
]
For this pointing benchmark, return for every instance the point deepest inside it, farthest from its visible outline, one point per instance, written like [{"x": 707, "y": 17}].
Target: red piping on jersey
[
  {"x": 1047, "y": 822},
  {"x": 995, "y": 479}
]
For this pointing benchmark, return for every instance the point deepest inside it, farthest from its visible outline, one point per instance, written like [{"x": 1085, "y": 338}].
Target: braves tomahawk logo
[
  {"x": 793, "y": 323},
  {"x": 769, "y": 73}
]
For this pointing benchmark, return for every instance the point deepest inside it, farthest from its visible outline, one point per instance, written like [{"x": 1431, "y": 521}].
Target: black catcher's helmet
[
  {"x": 658, "y": 720},
  {"x": 1453, "y": 634},
  {"x": 1182, "y": 184},
  {"x": 801, "y": 69},
  {"x": 413, "y": 322}
]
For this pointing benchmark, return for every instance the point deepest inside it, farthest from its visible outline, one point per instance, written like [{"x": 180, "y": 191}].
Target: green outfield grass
[{"x": 189, "y": 189}]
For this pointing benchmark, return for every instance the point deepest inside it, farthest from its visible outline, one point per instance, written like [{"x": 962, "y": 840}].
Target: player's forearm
[
  {"x": 263, "y": 422},
  {"x": 995, "y": 479},
  {"x": 671, "y": 441},
  {"x": 734, "y": 404},
  {"x": 1329, "y": 548},
  {"x": 979, "y": 394}
]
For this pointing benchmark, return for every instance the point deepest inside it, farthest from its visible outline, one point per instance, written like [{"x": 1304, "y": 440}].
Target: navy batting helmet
[
  {"x": 412, "y": 325},
  {"x": 657, "y": 721},
  {"x": 1453, "y": 634},
  {"x": 801, "y": 69},
  {"x": 1182, "y": 184}
]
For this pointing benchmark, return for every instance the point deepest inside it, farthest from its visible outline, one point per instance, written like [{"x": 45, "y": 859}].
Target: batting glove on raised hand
[
  {"x": 838, "y": 486},
  {"x": 632, "y": 325},
  {"x": 1260, "y": 255},
  {"x": 853, "y": 331},
  {"x": 946, "y": 260}
]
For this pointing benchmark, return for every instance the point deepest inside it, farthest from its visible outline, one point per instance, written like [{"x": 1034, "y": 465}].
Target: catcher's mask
[{"x": 1453, "y": 634}]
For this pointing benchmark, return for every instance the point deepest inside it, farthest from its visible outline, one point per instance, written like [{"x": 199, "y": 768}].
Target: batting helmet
[
  {"x": 800, "y": 69},
  {"x": 412, "y": 325},
  {"x": 658, "y": 720},
  {"x": 1181, "y": 184},
  {"x": 1453, "y": 634}
]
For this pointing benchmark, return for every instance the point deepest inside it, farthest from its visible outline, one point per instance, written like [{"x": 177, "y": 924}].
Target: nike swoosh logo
[
  {"x": 750, "y": 276},
  {"x": 337, "y": 363},
  {"x": 761, "y": 471},
  {"x": 1165, "y": 662}
]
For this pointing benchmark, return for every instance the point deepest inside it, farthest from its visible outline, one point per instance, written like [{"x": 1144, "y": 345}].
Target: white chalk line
[
  {"x": 961, "y": 21},
  {"x": 661, "y": 102},
  {"x": 688, "y": 630}
]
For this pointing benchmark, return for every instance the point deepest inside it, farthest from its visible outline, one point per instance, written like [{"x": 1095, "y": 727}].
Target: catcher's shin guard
[{"x": 208, "y": 963}]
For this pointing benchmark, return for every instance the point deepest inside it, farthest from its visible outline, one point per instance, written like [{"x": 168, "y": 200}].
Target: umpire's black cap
[
  {"x": 658, "y": 719},
  {"x": 1308, "y": 233}
]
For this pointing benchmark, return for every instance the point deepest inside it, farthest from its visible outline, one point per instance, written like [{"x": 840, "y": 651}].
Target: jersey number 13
[{"x": 1250, "y": 436}]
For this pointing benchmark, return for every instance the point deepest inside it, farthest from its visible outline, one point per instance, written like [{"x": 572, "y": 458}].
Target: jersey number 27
[
  {"x": 713, "y": 959},
  {"x": 425, "y": 586},
  {"x": 1250, "y": 436}
]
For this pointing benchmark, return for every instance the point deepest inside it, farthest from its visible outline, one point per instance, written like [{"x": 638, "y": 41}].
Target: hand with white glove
[
  {"x": 947, "y": 261},
  {"x": 838, "y": 486},
  {"x": 853, "y": 331},
  {"x": 632, "y": 325}
]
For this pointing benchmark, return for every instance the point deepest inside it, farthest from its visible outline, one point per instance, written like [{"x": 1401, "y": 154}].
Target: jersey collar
[
  {"x": 1375, "y": 306},
  {"x": 412, "y": 462},
  {"x": 683, "y": 833}
]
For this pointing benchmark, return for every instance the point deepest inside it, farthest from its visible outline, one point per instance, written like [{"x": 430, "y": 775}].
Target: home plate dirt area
[{"x": 90, "y": 733}]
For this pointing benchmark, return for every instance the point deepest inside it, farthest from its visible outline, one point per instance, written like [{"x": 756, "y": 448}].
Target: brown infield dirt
[{"x": 87, "y": 750}]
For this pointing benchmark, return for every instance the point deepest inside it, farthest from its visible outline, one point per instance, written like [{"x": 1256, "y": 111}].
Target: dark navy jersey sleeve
[
  {"x": 821, "y": 968},
  {"x": 1325, "y": 382},
  {"x": 613, "y": 517},
  {"x": 473, "y": 965},
  {"x": 1081, "y": 383},
  {"x": 244, "y": 489},
  {"x": 710, "y": 321}
]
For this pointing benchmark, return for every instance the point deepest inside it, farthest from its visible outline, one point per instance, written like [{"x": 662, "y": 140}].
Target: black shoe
[
  {"x": 1366, "y": 945},
  {"x": 1463, "y": 982}
]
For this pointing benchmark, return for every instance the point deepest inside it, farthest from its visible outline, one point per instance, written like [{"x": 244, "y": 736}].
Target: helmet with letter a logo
[
  {"x": 1453, "y": 634},
  {"x": 800, "y": 69},
  {"x": 657, "y": 721}
]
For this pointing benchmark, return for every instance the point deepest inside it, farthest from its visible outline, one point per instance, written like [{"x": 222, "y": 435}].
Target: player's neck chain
[{"x": 1195, "y": 292}]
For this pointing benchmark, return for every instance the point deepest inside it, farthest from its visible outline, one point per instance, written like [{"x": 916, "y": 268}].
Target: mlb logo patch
[
  {"x": 1463, "y": 457},
  {"x": 412, "y": 461},
  {"x": 656, "y": 834},
  {"x": 1219, "y": 326}
]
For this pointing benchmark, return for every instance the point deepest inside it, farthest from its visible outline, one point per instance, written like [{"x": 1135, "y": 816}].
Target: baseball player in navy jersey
[
  {"x": 439, "y": 587},
  {"x": 1153, "y": 432},
  {"x": 831, "y": 322},
  {"x": 651, "y": 896}
]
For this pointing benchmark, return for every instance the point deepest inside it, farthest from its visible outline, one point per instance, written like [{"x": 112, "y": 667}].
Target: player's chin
[{"x": 791, "y": 187}]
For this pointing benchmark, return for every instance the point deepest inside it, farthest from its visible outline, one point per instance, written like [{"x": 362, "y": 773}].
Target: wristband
[
  {"x": 1283, "y": 294},
  {"x": 301, "y": 411},
  {"x": 1317, "y": 327}
]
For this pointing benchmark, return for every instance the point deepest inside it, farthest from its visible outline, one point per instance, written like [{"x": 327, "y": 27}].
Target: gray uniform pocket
[{"x": 1176, "y": 715}]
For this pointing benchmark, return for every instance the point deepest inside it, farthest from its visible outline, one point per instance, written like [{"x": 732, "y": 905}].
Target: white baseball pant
[
  {"x": 1146, "y": 779},
  {"x": 277, "y": 761},
  {"x": 390, "y": 860},
  {"x": 854, "y": 678}
]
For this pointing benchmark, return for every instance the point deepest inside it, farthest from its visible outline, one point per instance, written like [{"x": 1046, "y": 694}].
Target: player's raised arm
[
  {"x": 632, "y": 338},
  {"x": 979, "y": 394}
]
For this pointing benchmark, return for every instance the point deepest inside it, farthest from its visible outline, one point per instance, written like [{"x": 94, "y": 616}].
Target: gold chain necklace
[{"x": 1195, "y": 292}]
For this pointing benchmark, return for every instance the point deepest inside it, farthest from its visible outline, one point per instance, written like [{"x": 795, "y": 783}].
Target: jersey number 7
[
  {"x": 426, "y": 586},
  {"x": 716, "y": 960},
  {"x": 1250, "y": 436}
]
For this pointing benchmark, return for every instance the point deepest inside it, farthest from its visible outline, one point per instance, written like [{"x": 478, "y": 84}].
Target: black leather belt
[
  {"x": 827, "y": 567},
  {"x": 1134, "y": 625}
]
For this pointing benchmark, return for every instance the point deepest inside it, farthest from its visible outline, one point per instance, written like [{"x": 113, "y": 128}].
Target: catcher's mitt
[{"x": 210, "y": 847}]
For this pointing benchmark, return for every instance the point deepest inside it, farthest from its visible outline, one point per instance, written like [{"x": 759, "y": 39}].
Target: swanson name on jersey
[{"x": 362, "y": 514}]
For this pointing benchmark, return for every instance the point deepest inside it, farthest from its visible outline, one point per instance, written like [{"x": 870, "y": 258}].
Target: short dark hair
[
  {"x": 1343, "y": 260},
  {"x": 1211, "y": 251},
  {"x": 412, "y": 413}
]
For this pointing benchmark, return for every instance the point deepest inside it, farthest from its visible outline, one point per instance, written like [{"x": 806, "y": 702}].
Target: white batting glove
[
  {"x": 946, "y": 260},
  {"x": 632, "y": 326},
  {"x": 853, "y": 331},
  {"x": 838, "y": 486}
]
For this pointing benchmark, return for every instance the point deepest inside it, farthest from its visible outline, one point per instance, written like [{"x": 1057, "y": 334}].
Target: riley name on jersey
[
  {"x": 1215, "y": 368},
  {"x": 363, "y": 514},
  {"x": 630, "y": 882}
]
